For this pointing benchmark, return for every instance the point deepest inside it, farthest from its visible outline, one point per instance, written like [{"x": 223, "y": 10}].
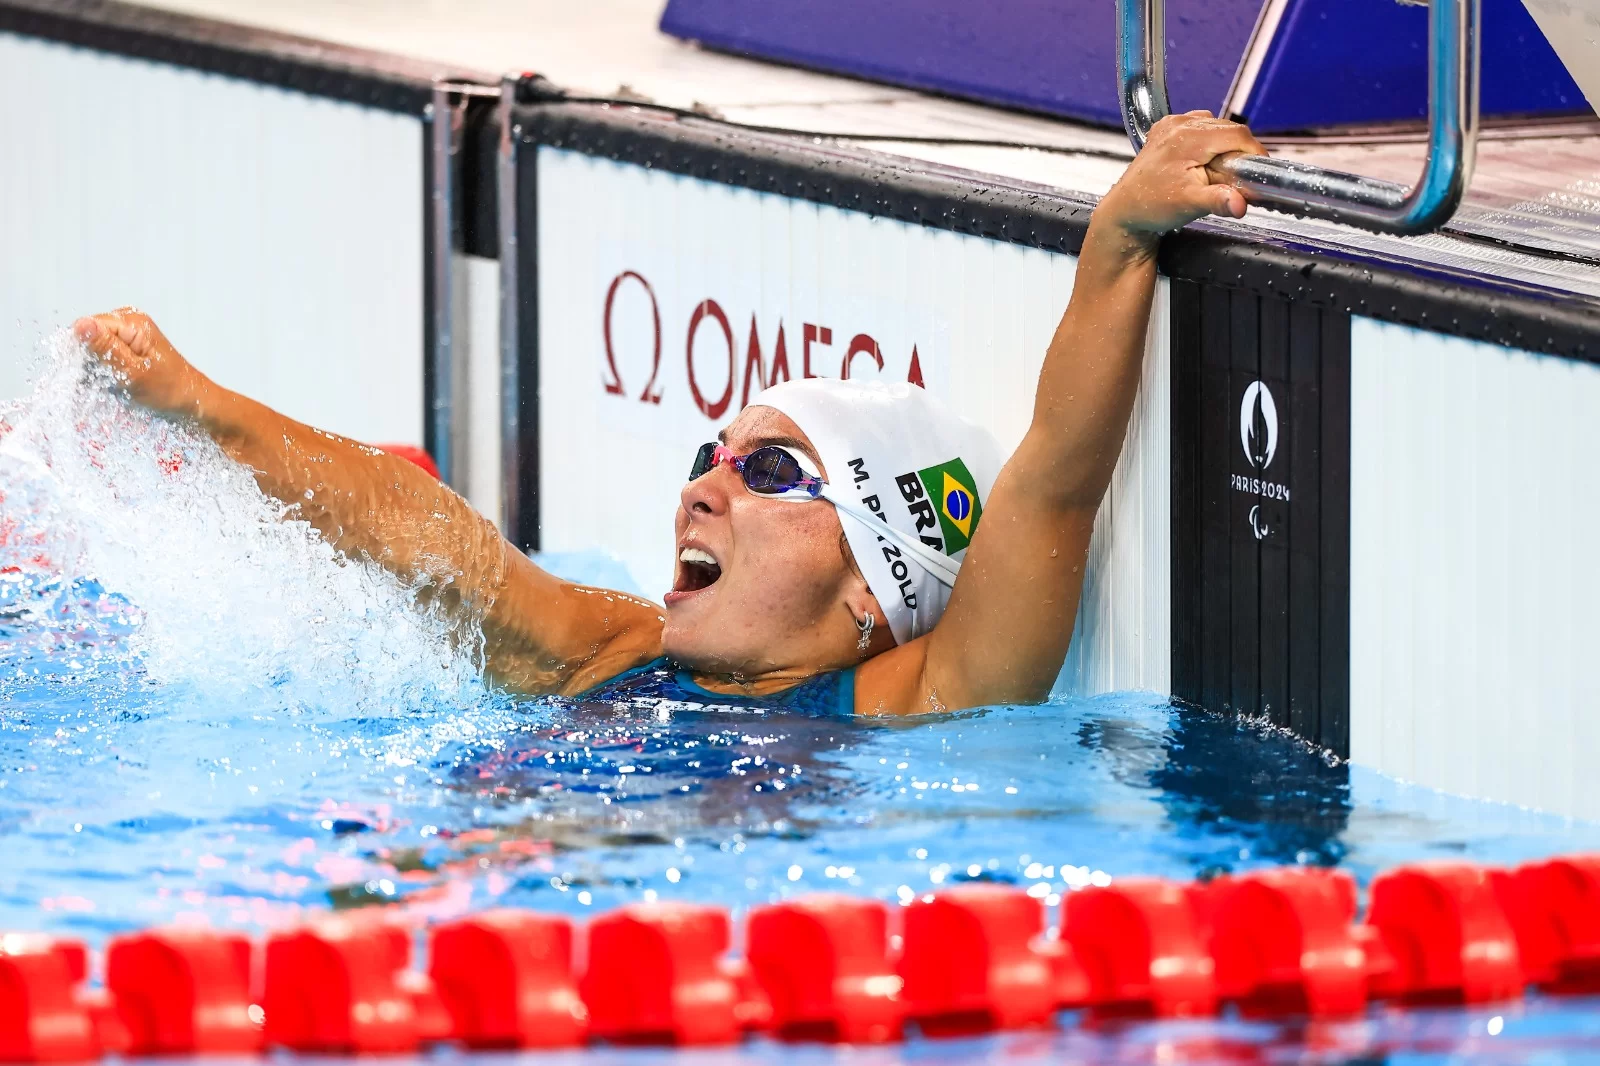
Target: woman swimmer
[{"x": 817, "y": 544}]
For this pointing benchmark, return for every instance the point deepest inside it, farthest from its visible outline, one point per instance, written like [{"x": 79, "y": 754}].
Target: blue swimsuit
[{"x": 663, "y": 681}]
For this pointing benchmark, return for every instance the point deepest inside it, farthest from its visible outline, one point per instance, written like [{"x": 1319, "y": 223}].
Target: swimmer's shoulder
[
  {"x": 542, "y": 676},
  {"x": 548, "y": 637},
  {"x": 895, "y": 681},
  {"x": 637, "y": 647}
]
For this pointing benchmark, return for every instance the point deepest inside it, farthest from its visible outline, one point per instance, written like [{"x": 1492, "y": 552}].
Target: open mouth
[{"x": 697, "y": 570}]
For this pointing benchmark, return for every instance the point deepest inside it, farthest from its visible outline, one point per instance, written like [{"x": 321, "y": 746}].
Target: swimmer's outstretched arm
[
  {"x": 1005, "y": 633},
  {"x": 541, "y": 635}
]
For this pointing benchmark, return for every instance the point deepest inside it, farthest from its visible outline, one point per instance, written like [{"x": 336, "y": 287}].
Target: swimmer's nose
[{"x": 708, "y": 493}]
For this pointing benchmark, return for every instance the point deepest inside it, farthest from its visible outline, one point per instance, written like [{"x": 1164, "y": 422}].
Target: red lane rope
[
  {"x": 411, "y": 453},
  {"x": 970, "y": 959}
]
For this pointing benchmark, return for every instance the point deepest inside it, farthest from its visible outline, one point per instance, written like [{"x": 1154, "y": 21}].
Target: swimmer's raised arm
[
  {"x": 541, "y": 635},
  {"x": 1005, "y": 633}
]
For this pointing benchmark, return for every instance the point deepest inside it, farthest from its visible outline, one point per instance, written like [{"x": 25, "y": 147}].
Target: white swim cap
[{"x": 895, "y": 456}]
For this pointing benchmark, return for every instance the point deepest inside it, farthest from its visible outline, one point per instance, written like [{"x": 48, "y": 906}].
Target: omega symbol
[{"x": 1258, "y": 425}]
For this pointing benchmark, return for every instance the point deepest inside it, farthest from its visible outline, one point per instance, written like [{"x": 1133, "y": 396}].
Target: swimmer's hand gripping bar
[{"x": 1307, "y": 190}]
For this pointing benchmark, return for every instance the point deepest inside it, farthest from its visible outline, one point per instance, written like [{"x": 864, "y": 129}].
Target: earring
[{"x": 865, "y": 640}]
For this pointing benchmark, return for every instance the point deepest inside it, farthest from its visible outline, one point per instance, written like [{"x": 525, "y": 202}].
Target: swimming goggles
[{"x": 778, "y": 473}]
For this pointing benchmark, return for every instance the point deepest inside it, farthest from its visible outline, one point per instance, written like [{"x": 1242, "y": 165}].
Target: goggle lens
[
  {"x": 704, "y": 460},
  {"x": 769, "y": 470}
]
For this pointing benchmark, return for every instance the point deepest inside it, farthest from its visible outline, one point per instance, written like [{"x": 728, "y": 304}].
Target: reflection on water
[
  {"x": 125, "y": 800},
  {"x": 1288, "y": 800},
  {"x": 1539, "y": 1032}
]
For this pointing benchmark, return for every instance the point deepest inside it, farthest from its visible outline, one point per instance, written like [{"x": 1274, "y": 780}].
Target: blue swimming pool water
[{"x": 206, "y": 716}]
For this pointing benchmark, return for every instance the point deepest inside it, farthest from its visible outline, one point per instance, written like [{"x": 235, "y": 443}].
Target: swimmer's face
[{"x": 780, "y": 595}]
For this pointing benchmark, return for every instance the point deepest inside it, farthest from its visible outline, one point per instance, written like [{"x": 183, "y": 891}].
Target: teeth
[{"x": 695, "y": 555}]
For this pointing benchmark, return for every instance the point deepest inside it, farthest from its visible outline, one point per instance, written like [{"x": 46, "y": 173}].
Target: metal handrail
[
  {"x": 507, "y": 228},
  {"x": 1302, "y": 189}
]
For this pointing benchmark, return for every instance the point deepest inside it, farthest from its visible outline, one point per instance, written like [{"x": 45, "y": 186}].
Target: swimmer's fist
[
  {"x": 147, "y": 364},
  {"x": 1175, "y": 178}
]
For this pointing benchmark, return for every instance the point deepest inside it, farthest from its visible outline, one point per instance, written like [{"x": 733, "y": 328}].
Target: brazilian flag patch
[{"x": 954, "y": 493}]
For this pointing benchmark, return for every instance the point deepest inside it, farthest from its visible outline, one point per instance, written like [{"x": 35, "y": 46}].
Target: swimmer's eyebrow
[{"x": 786, "y": 442}]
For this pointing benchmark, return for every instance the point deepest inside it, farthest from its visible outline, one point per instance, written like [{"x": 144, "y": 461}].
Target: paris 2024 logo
[{"x": 1258, "y": 436}]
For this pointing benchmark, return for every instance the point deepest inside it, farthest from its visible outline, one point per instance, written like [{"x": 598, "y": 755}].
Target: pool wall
[{"x": 1473, "y": 579}]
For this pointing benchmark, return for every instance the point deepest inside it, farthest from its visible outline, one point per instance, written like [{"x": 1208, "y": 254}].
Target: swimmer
[{"x": 841, "y": 547}]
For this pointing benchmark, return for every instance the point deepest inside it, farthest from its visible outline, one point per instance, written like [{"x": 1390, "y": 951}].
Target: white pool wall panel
[
  {"x": 1474, "y": 577},
  {"x": 276, "y": 237},
  {"x": 1124, "y": 630},
  {"x": 477, "y": 341},
  {"x": 978, "y": 313}
]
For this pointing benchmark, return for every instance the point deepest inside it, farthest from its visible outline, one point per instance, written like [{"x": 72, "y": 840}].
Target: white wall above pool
[
  {"x": 664, "y": 302},
  {"x": 1474, "y": 572},
  {"x": 276, "y": 237}
]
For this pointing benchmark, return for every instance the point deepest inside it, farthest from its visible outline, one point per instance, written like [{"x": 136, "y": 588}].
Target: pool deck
[{"x": 1531, "y": 216}]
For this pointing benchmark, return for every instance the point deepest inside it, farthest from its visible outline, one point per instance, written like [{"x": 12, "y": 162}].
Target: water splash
[{"x": 227, "y": 591}]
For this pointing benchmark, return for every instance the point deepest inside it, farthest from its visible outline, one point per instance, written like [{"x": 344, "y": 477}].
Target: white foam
[{"x": 237, "y": 596}]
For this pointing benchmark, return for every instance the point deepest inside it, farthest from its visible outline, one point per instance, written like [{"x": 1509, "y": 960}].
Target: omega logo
[{"x": 711, "y": 331}]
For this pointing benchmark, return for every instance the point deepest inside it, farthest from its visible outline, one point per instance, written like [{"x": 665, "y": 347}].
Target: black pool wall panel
[
  {"x": 520, "y": 376},
  {"x": 1260, "y": 508}
]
